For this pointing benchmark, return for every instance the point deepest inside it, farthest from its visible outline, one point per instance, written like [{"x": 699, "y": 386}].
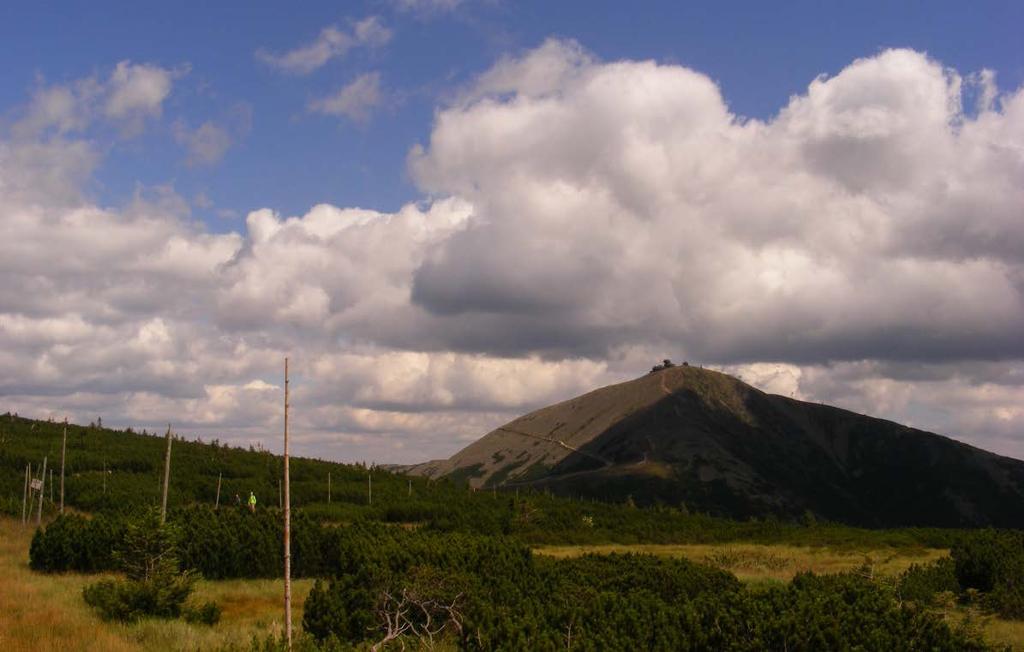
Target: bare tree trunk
[
  {"x": 167, "y": 477},
  {"x": 63, "y": 449},
  {"x": 24, "y": 498},
  {"x": 42, "y": 479},
  {"x": 287, "y": 524}
]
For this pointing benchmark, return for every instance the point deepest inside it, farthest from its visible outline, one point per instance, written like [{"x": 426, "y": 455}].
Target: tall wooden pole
[
  {"x": 217, "y": 503},
  {"x": 24, "y": 498},
  {"x": 167, "y": 476},
  {"x": 63, "y": 449},
  {"x": 328, "y": 487},
  {"x": 287, "y": 524},
  {"x": 369, "y": 488},
  {"x": 42, "y": 479}
]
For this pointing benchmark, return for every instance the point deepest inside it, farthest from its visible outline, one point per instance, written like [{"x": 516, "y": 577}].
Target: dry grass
[
  {"x": 46, "y": 612},
  {"x": 1002, "y": 634},
  {"x": 759, "y": 563}
]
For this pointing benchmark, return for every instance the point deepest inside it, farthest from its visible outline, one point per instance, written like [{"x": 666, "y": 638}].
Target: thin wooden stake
[
  {"x": 328, "y": 487},
  {"x": 410, "y": 487},
  {"x": 217, "y": 503},
  {"x": 167, "y": 476},
  {"x": 42, "y": 479},
  {"x": 369, "y": 488},
  {"x": 287, "y": 524},
  {"x": 63, "y": 449}
]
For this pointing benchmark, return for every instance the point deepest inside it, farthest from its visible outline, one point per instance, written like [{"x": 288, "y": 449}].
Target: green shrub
[
  {"x": 75, "y": 543},
  {"x": 621, "y": 602},
  {"x": 343, "y": 608},
  {"x": 992, "y": 562},
  {"x": 207, "y": 613},
  {"x": 989, "y": 558},
  {"x": 155, "y": 586},
  {"x": 128, "y": 600},
  {"x": 921, "y": 583},
  {"x": 1007, "y": 601}
]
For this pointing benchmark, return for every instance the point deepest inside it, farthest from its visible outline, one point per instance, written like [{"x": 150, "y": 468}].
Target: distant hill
[{"x": 703, "y": 439}]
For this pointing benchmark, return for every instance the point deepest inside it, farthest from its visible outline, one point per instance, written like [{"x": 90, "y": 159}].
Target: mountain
[{"x": 688, "y": 436}]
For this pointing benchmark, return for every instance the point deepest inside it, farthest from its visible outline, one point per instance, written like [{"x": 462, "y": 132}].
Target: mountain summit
[{"x": 683, "y": 435}]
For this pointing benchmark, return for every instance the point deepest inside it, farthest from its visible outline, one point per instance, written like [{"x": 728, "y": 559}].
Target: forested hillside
[{"x": 112, "y": 470}]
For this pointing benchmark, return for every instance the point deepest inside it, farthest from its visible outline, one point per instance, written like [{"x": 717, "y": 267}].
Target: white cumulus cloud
[{"x": 583, "y": 219}]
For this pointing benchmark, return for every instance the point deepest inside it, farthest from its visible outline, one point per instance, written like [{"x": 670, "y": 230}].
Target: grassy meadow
[
  {"x": 46, "y": 612},
  {"x": 751, "y": 562}
]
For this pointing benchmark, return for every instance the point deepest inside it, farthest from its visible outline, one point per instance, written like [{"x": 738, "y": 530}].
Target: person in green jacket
[{"x": 252, "y": 502}]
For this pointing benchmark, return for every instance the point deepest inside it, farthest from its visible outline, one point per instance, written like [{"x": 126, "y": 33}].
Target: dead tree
[
  {"x": 287, "y": 524},
  {"x": 24, "y": 498},
  {"x": 63, "y": 449},
  {"x": 167, "y": 477},
  {"x": 411, "y": 612},
  {"x": 42, "y": 480}
]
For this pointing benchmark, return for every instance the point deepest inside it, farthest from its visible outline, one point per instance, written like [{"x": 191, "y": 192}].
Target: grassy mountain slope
[{"x": 706, "y": 439}]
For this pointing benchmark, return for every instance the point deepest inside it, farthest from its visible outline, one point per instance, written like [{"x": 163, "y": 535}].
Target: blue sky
[
  {"x": 760, "y": 54},
  {"x": 450, "y": 212}
]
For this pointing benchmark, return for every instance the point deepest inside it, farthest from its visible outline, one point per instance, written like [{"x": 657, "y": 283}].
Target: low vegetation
[
  {"x": 46, "y": 611},
  {"x": 761, "y": 563},
  {"x": 155, "y": 584},
  {"x": 429, "y": 564}
]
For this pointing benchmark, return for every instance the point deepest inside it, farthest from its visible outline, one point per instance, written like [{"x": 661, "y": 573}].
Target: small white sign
[{"x": 36, "y": 484}]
